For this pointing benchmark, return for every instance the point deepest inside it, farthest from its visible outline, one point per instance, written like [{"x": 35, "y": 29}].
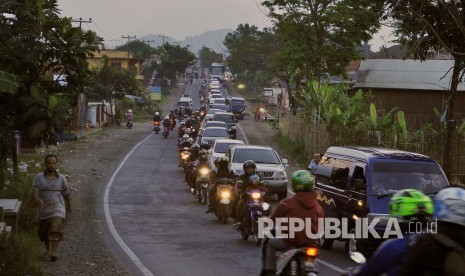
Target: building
[
  {"x": 413, "y": 86},
  {"x": 119, "y": 59}
]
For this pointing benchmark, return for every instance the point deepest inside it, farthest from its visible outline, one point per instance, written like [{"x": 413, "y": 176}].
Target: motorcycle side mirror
[{"x": 357, "y": 257}]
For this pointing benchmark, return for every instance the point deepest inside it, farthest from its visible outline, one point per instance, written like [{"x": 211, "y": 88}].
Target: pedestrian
[
  {"x": 314, "y": 163},
  {"x": 266, "y": 113},
  {"x": 52, "y": 197},
  {"x": 257, "y": 114}
]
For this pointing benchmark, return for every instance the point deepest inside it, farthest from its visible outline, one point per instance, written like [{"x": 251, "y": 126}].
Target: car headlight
[{"x": 281, "y": 174}]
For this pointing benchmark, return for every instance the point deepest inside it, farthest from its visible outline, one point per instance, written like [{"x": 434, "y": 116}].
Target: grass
[{"x": 296, "y": 150}]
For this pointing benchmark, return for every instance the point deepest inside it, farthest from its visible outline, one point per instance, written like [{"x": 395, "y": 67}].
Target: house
[
  {"x": 413, "y": 86},
  {"x": 119, "y": 59}
]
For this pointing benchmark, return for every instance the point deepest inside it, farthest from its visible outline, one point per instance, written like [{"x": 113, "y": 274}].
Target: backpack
[{"x": 454, "y": 262}]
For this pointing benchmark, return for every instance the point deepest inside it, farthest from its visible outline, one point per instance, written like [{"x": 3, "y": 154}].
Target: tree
[
  {"x": 207, "y": 56},
  {"x": 425, "y": 26},
  {"x": 320, "y": 36},
  {"x": 35, "y": 44},
  {"x": 138, "y": 48},
  {"x": 174, "y": 59}
]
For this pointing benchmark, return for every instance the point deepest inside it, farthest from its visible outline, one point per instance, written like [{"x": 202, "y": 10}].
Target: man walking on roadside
[{"x": 52, "y": 196}]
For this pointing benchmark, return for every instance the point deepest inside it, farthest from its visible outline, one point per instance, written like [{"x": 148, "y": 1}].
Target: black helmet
[
  {"x": 196, "y": 148},
  {"x": 249, "y": 163},
  {"x": 203, "y": 154}
]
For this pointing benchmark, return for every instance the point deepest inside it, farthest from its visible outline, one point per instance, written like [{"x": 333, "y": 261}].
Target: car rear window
[
  {"x": 216, "y": 133},
  {"x": 260, "y": 156},
  {"x": 222, "y": 147},
  {"x": 237, "y": 103},
  {"x": 227, "y": 118}
]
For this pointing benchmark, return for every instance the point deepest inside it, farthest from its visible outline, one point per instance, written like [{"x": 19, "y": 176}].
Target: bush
[
  {"x": 19, "y": 255},
  {"x": 294, "y": 149}
]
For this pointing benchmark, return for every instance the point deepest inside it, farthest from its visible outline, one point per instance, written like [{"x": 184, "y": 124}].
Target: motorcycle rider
[
  {"x": 129, "y": 116},
  {"x": 443, "y": 252},
  {"x": 411, "y": 208},
  {"x": 183, "y": 143},
  {"x": 157, "y": 117},
  {"x": 242, "y": 183},
  {"x": 195, "y": 149},
  {"x": 222, "y": 171},
  {"x": 181, "y": 129},
  {"x": 166, "y": 122},
  {"x": 302, "y": 205},
  {"x": 172, "y": 116},
  {"x": 203, "y": 161}
]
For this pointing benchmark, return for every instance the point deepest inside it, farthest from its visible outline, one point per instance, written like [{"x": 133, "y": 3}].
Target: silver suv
[{"x": 270, "y": 167}]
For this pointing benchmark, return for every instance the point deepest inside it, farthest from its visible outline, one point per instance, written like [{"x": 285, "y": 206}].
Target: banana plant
[{"x": 7, "y": 83}]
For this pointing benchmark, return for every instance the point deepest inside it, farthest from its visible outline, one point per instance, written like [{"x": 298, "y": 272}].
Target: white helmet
[
  {"x": 167, "y": 117},
  {"x": 156, "y": 113},
  {"x": 185, "y": 137},
  {"x": 449, "y": 205},
  {"x": 129, "y": 110}
]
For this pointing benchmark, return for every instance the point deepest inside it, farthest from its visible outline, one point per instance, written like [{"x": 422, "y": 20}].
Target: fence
[{"x": 317, "y": 139}]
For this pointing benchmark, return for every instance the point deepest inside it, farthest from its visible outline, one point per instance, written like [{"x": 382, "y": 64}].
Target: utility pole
[
  {"x": 148, "y": 41},
  {"x": 80, "y": 20},
  {"x": 163, "y": 37},
  {"x": 128, "y": 37}
]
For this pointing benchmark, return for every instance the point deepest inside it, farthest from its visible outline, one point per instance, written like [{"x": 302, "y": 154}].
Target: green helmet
[
  {"x": 411, "y": 204},
  {"x": 302, "y": 180}
]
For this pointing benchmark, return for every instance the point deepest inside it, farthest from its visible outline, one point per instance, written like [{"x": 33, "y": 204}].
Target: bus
[{"x": 217, "y": 71}]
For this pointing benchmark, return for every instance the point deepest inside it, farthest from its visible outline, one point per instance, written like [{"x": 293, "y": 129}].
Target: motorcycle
[
  {"x": 202, "y": 100},
  {"x": 256, "y": 208},
  {"x": 298, "y": 261},
  {"x": 166, "y": 132},
  {"x": 202, "y": 184},
  {"x": 156, "y": 127},
  {"x": 129, "y": 123},
  {"x": 224, "y": 197},
  {"x": 184, "y": 154},
  {"x": 202, "y": 115},
  {"x": 172, "y": 124}
]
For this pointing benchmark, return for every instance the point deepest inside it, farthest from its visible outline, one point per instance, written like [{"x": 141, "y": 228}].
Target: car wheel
[
  {"x": 325, "y": 243},
  {"x": 282, "y": 195}
]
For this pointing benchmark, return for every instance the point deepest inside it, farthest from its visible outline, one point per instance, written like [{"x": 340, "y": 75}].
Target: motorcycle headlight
[
  {"x": 204, "y": 171},
  {"x": 256, "y": 195},
  {"x": 225, "y": 194},
  {"x": 184, "y": 156}
]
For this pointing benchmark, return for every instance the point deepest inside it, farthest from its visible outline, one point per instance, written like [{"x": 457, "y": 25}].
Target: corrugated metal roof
[{"x": 406, "y": 74}]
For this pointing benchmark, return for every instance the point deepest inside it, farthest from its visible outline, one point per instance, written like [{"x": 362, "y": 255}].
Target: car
[
  {"x": 211, "y": 112},
  {"x": 214, "y": 85},
  {"x": 184, "y": 104},
  {"x": 186, "y": 98},
  {"x": 358, "y": 182},
  {"x": 229, "y": 119},
  {"x": 221, "y": 146},
  {"x": 215, "y": 96},
  {"x": 237, "y": 107},
  {"x": 208, "y": 135},
  {"x": 214, "y": 124},
  {"x": 220, "y": 106},
  {"x": 270, "y": 167},
  {"x": 219, "y": 101}
]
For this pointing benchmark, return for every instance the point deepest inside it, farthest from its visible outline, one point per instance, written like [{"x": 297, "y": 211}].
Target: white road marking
[
  {"x": 338, "y": 269},
  {"x": 109, "y": 221}
]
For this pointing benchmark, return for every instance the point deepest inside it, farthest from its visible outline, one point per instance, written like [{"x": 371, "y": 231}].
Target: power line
[
  {"x": 111, "y": 38},
  {"x": 80, "y": 20},
  {"x": 128, "y": 38},
  {"x": 148, "y": 41},
  {"x": 163, "y": 37}
]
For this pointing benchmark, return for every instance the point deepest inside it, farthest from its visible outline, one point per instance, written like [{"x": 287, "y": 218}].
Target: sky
[{"x": 178, "y": 19}]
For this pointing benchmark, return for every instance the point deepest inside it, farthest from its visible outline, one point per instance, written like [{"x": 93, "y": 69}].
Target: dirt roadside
[{"x": 87, "y": 163}]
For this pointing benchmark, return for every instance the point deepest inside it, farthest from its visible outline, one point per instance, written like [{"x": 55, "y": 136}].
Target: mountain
[{"x": 211, "y": 39}]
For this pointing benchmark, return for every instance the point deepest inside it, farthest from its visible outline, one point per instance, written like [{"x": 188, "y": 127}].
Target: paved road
[{"x": 158, "y": 228}]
